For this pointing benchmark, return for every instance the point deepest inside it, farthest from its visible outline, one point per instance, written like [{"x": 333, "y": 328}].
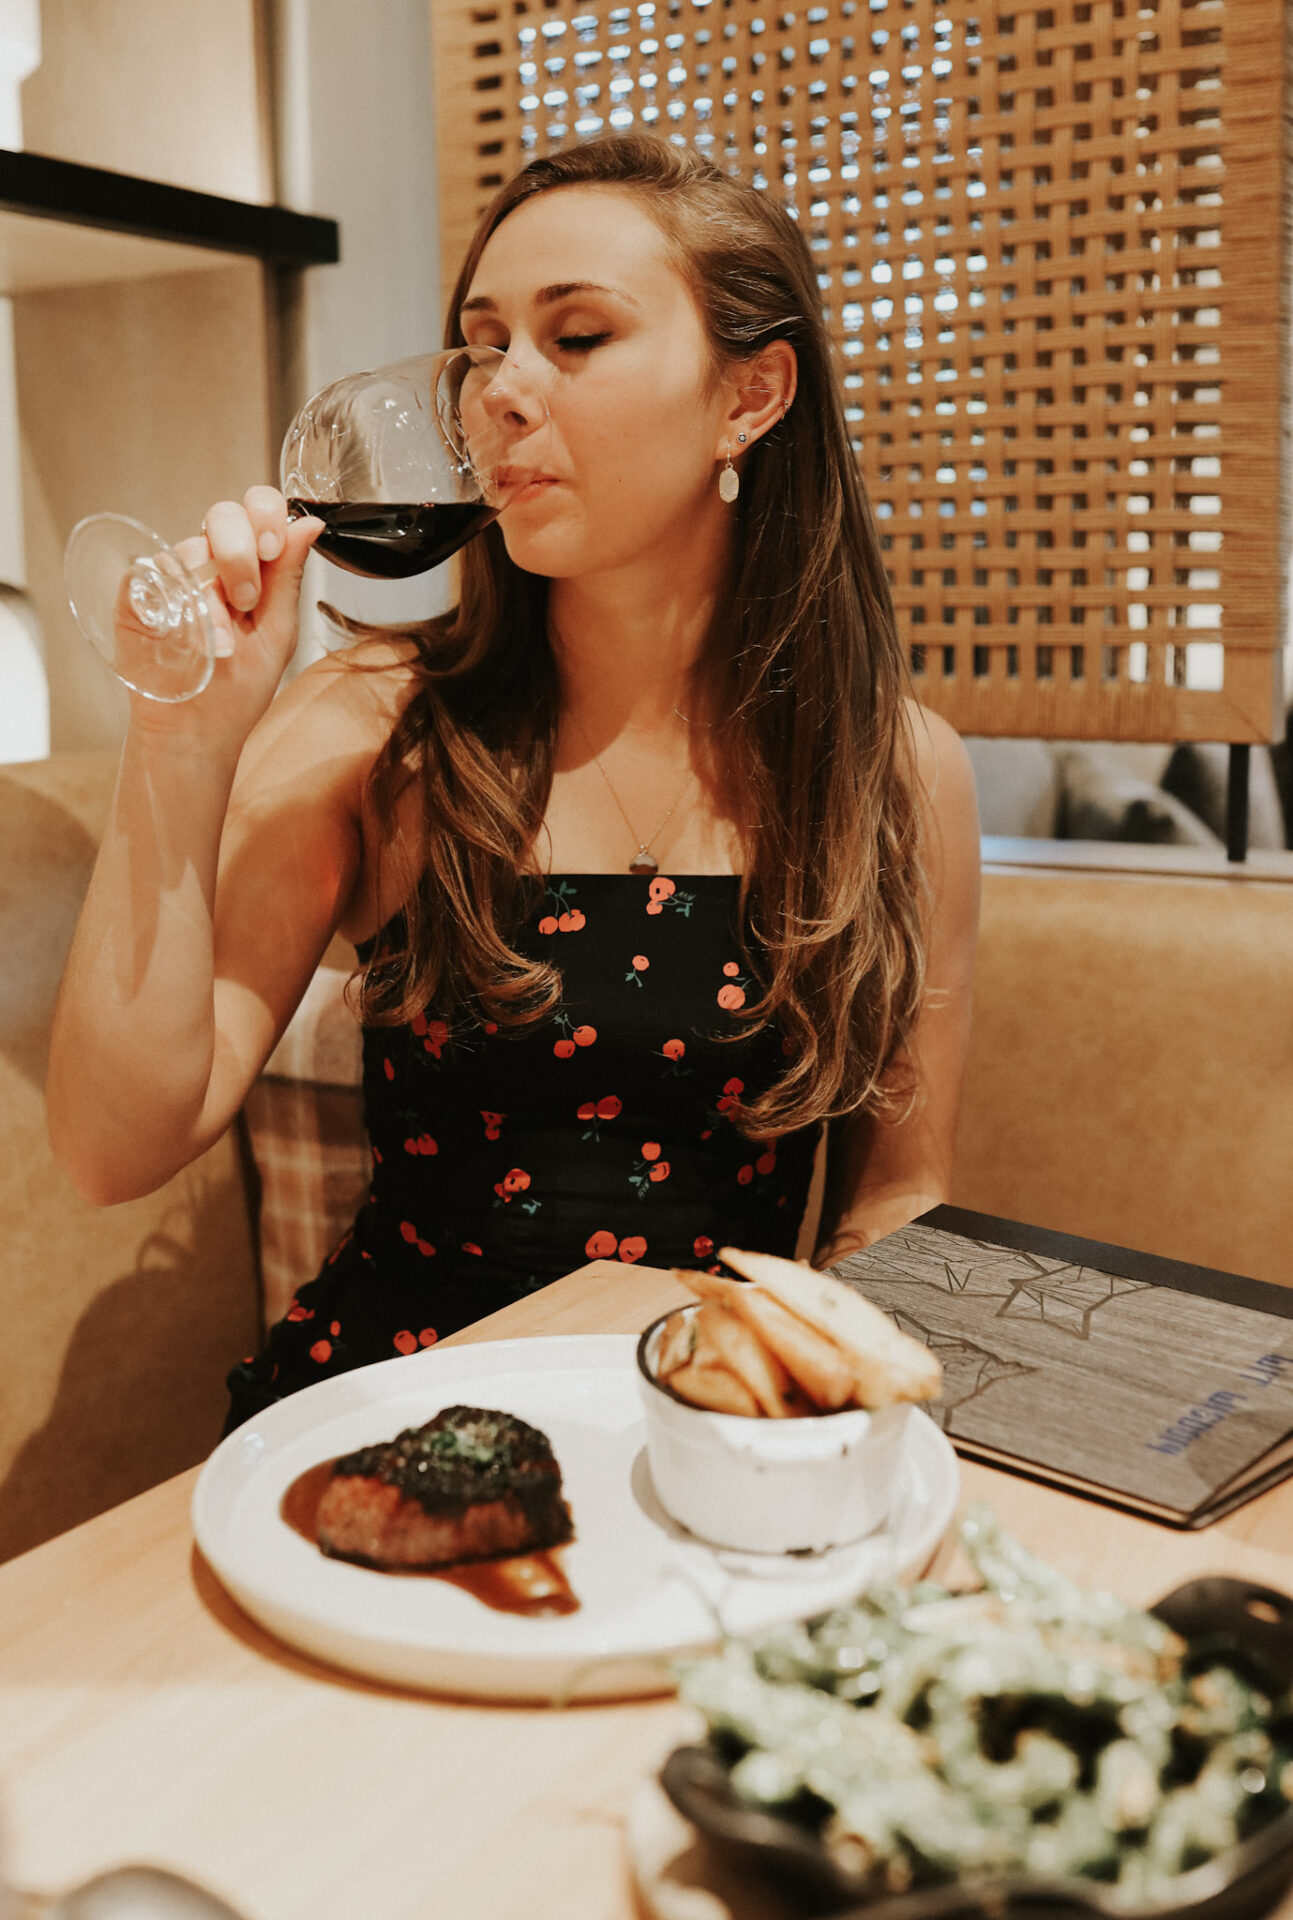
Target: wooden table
[{"x": 144, "y": 1717}]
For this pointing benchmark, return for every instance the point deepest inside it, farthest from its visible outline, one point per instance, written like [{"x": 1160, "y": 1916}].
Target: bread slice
[{"x": 887, "y": 1365}]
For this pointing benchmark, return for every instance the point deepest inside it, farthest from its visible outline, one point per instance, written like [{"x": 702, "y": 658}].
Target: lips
[{"x": 518, "y": 480}]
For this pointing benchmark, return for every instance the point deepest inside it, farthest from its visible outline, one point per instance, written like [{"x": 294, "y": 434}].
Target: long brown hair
[{"x": 802, "y": 661}]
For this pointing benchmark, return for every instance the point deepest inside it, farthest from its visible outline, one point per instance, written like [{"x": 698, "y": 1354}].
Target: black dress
[{"x": 502, "y": 1159}]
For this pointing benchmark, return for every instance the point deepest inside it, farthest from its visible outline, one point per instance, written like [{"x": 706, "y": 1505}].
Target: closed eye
[{"x": 581, "y": 342}]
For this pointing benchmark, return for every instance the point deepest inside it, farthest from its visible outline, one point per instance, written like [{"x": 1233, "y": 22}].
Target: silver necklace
[{"x": 644, "y": 861}]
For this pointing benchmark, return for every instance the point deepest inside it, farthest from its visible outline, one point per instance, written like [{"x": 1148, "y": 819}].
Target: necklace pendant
[{"x": 644, "y": 862}]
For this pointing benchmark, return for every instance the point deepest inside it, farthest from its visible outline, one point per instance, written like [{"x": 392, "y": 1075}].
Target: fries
[
  {"x": 739, "y": 1350},
  {"x": 787, "y": 1340}
]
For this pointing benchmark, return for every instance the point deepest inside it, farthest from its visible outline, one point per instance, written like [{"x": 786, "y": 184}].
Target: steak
[{"x": 472, "y": 1484}]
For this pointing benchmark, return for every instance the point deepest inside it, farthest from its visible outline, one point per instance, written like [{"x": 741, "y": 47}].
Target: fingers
[
  {"x": 282, "y": 577},
  {"x": 258, "y": 555},
  {"x": 195, "y": 555},
  {"x": 242, "y": 536},
  {"x": 267, "y": 511},
  {"x": 232, "y": 537}
]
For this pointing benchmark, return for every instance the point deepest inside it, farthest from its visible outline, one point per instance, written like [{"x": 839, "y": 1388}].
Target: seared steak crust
[{"x": 472, "y": 1484}]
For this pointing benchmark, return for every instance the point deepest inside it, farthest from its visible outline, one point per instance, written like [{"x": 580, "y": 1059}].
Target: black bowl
[{"x": 1251, "y": 1625}]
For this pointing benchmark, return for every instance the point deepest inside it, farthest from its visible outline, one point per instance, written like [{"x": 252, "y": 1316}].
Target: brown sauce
[
  {"x": 525, "y": 1583},
  {"x": 300, "y": 1507}
]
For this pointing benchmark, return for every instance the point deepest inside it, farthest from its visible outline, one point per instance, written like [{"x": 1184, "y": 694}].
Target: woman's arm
[
  {"x": 232, "y": 848},
  {"x": 880, "y": 1174}
]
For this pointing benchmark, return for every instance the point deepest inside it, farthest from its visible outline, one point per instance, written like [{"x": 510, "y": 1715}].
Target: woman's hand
[{"x": 259, "y": 555}]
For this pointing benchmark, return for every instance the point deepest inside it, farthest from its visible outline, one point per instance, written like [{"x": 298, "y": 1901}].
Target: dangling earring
[{"x": 729, "y": 482}]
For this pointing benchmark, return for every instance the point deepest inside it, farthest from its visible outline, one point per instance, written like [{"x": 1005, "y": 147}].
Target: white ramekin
[{"x": 767, "y": 1486}]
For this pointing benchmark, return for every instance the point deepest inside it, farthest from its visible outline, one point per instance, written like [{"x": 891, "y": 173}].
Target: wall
[
  {"x": 156, "y": 396},
  {"x": 150, "y": 396},
  {"x": 174, "y": 92},
  {"x": 356, "y": 140}
]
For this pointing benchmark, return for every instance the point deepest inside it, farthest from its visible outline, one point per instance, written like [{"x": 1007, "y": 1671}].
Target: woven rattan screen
[{"x": 1051, "y": 245}]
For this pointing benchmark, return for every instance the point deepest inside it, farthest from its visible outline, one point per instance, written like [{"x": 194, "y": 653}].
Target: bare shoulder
[
  {"x": 950, "y": 812},
  {"x": 942, "y": 765},
  {"x": 343, "y": 705}
]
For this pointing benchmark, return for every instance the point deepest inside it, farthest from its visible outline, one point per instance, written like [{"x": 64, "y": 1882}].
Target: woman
[{"x": 651, "y": 866}]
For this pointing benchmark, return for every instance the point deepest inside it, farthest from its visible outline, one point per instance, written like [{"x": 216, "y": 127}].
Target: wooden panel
[{"x": 1051, "y": 245}]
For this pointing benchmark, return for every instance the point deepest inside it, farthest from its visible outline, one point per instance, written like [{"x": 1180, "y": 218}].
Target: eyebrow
[{"x": 549, "y": 296}]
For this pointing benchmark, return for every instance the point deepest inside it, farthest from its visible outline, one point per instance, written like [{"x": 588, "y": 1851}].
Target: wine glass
[{"x": 403, "y": 465}]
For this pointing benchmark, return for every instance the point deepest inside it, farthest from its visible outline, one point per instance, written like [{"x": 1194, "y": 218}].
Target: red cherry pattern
[
  {"x": 566, "y": 919},
  {"x": 731, "y": 996},
  {"x": 432, "y": 1033},
  {"x": 730, "y": 1096},
  {"x": 653, "y": 1145},
  {"x": 662, "y": 893}
]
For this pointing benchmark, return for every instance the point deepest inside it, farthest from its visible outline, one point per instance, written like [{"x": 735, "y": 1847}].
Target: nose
[{"x": 513, "y": 401}]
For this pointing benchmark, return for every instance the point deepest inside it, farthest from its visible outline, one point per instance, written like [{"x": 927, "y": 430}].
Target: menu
[{"x": 1150, "y": 1384}]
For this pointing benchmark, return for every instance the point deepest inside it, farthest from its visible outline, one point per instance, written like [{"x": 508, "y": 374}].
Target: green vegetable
[{"x": 1031, "y": 1726}]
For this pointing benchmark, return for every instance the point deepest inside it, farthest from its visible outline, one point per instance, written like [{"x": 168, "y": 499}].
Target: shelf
[{"x": 62, "y": 224}]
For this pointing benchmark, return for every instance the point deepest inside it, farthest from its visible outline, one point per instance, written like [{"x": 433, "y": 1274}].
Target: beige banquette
[{"x": 1130, "y": 1079}]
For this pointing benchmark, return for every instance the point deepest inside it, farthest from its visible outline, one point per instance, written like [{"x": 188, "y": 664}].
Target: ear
[{"x": 759, "y": 391}]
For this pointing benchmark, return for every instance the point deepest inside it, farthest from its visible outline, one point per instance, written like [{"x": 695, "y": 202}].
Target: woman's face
[{"x": 577, "y": 286}]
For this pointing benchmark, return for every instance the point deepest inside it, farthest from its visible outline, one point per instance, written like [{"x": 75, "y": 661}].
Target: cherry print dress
[{"x": 502, "y": 1159}]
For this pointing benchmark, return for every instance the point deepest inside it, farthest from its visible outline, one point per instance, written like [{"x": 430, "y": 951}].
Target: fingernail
[
  {"x": 222, "y": 646},
  {"x": 269, "y": 546},
  {"x": 245, "y": 596}
]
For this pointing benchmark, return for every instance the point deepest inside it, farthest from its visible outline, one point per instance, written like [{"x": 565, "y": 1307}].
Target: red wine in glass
[
  {"x": 390, "y": 542},
  {"x": 402, "y": 464}
]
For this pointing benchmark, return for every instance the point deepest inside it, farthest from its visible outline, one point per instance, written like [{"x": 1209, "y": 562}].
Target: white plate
[{"x": 648, "y": 1591}]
